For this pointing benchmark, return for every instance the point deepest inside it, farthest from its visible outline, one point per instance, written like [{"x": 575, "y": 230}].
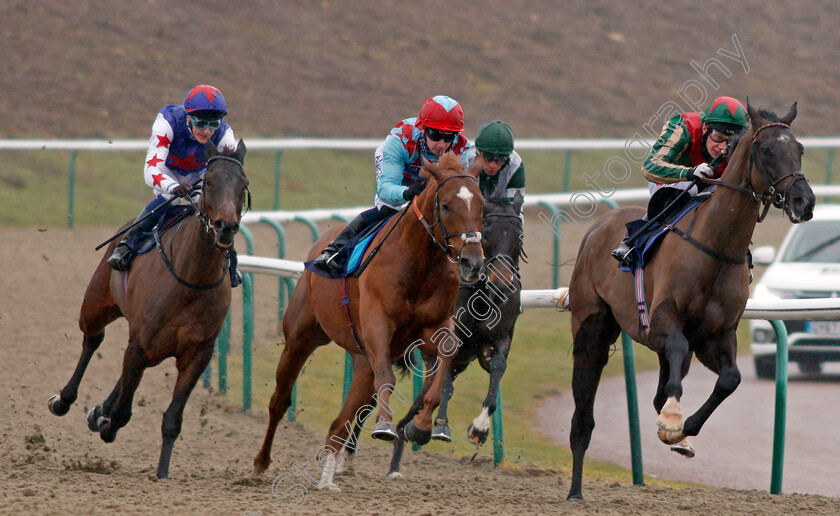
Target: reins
[
  {"x": 469, "y": 237},
  {"x": 770, "y": 196},
  {"x": 204, "y": 220}
]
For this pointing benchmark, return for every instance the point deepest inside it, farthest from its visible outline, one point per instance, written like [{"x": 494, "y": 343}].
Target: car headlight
[{"x": 764, "y": 292}]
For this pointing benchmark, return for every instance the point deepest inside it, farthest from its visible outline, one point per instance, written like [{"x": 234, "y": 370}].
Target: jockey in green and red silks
[{"x": 688, "y": 142}]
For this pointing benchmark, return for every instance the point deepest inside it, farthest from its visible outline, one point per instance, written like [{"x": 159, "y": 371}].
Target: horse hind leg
[
  {"x": 119, "y": 414},
  {"x": 190, "y": 368},
  {"x": 592, "y": 343},
  {"x": 301, "y": 341},
  {"x": 399, "y": 444},
  {"x": 348, "y": 452},
  {"x": 441, "y": 430},
  {"x": 98, "y": 310}
]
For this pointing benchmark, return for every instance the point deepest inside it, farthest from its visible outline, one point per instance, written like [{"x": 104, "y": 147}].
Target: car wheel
[
  {"x": 810, "y": 367},
  {"x": 765, "y": 367}
]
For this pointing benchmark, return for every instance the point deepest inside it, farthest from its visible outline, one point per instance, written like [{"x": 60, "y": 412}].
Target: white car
[{"x": 807, "y": 266}]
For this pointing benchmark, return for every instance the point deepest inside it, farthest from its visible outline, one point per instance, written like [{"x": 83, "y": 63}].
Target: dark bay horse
[
  {"x": 175, "y": 306},
  {"x": 485, "y": 316},
  {"x": 696, "y": 286},
  {"x": 407, "y": 292}
]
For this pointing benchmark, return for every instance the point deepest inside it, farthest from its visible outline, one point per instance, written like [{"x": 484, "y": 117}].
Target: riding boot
[
  {"x": 623, "y": 253},
  {"x": 233, "y": 267},
  {"x": 327, "y": 257},
  {"x": 124, "y": 252}
]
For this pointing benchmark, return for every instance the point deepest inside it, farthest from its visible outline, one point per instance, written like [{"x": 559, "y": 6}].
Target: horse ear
[
  {"x": 476, "y": 167},
  {"x": 211, "y": 149},
  {"x": 518, "y": 201},
  {"x": 239, "y": 154},
  {"x": 755, "y": 118},
  {"x": 432, "y": 168},
  {"x": 788, "y": 118}
]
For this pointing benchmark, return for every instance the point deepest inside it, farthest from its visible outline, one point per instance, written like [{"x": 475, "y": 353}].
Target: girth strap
[
  {"x": 644, "y": 319},
  {"x": 345, "y": 303}
]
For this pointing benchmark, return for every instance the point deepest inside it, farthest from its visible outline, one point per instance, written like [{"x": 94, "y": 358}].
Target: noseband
[
  {"x": 471, "y": 237},
  {"x": 202, "y": 217}
]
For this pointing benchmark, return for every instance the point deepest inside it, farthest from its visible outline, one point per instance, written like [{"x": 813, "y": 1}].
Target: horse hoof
[
  {"x": 475, "y": 436},
  {"x": 442, "y": 433},
  {"x": 385, "y": 431},
  {"x": 574, "y": 498},
  {"x": 670, "y": 436},
  {"x": 106, "y": 433},
  {"x": 93, "y": 418},
  {"x": 684, "y": 448},
  {"x": 56, "y": 406},
  {"x": 394, "y": 475},
  {"x": 415, "y": 435},
  {"x": 331, "y": 487}
]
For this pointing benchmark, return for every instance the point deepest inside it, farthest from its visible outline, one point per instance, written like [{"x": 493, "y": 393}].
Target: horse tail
[{"x": 403, "y": 366}]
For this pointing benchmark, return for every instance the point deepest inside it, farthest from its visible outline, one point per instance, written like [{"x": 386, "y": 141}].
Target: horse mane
[
  {"x": 769, "y": 115},
  {"x": 451, "y": 162}
]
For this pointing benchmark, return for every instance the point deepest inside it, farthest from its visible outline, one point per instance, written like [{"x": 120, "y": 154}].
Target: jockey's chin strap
[
  {"x": 471, "y": 237},
  {"x": 770, "y": 196}
]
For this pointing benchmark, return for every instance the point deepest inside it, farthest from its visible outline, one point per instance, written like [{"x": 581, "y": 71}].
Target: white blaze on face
[{"x": 465, "y": 194}]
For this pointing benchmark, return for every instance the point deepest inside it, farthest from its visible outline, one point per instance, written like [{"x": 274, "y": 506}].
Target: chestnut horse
[
  {"x": 175, "y": 304},
  {"x": 407, "y": 292},
  {"x": 696, "y": 285}
]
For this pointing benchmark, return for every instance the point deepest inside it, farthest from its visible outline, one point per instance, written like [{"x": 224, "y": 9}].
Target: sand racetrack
[{"x": 55, "y": 465}]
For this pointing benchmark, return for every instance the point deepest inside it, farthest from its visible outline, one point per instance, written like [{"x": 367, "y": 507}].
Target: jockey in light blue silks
[{"x": 435, "y": 131}]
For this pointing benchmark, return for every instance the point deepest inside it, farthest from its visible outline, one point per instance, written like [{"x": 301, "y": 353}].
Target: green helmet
[
  {"x": 725, "y": 114},
  {"x": 495, "y": 137}
]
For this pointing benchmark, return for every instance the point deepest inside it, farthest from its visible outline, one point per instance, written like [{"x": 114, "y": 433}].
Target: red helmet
[{"x": 442, "y": 113}]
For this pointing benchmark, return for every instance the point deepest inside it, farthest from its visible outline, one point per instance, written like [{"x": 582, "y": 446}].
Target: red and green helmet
[{"x": 726, "y": 115}]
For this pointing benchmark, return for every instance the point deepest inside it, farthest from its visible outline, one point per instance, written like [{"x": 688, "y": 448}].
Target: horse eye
[
  {"x": 765, "y": 151},
  {"x": 445, "y": 206}
]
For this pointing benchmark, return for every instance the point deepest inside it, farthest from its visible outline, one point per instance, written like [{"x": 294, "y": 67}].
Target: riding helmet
[
  {"x": 726, "y": 115},
  {"x": 205, "y": 102},
  {"x": 495, "y": 137},
  {"x": 442, "y": 113}
]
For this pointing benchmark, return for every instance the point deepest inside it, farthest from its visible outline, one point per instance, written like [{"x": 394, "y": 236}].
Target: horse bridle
[
  {"x": 770, "y": 196},
  {"x": 514, "y": 261},
  {"x": 470, "y": 237},
  {"x": 205, "y": 221}
]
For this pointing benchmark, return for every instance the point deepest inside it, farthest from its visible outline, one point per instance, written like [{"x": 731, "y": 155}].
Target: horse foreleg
[
  {"x": 59, "y": 404},
  {"x": 669, "y": 422},
  {"x": 190, "y": 368},
  {"x": 496, "y": 365},
  {"x": 399, "y": 444},
  {"x": 728, "y": 380},
  {"x": 419, "y": 430},
  {"x": 441, "y": 430},
  {"x": 349, "y": 451},
  {"x": 100, "y": 414},
  {"x": 134, "y": 364}
]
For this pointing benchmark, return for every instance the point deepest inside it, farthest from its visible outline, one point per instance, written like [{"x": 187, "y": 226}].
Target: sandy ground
[{"x": 51, "y": 465}]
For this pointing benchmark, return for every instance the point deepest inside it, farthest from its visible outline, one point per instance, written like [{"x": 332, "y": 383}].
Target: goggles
[
  {"x": 498, "y": 158},
  {"x": 718, "y": 137},
  {"x": 437, "y": 135},
  {"x": 201, "y": 124}
]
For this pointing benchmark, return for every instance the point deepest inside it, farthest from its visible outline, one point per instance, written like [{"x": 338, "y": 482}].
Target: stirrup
[
  {"x": 622, "y": 253},
  {"x": 120, "y": 259}
]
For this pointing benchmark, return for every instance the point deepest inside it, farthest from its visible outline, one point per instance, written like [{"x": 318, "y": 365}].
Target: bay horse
[
  {"x": 175, "y": 304},
  {"x": 696, "y": 286},
  {"x": 485, "y": 316},
  {"x": 407, "y": 292}
]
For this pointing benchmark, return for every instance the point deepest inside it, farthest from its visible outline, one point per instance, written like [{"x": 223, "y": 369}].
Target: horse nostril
[{"x": 219, "y": 225}]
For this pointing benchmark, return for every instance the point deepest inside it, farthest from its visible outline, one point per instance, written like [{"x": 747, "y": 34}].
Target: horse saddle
[
  {"x": 143, "y": 241},
  {"x": 349, "y": 258},
  {"x": 646, "y": 244}
]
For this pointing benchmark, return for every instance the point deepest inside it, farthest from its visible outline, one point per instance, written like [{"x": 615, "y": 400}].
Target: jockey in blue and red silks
[
  {"x": 435, "y": 131},
  {"x": 176, "y": 157}
]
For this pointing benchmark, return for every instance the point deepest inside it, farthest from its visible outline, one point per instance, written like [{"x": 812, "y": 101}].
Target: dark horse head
[
  {"x": 501, "y": 238},
  {"x": 457, "y": 212},
  {"x": 776, "y": 157},
  {"x": 224, "y": 194}
]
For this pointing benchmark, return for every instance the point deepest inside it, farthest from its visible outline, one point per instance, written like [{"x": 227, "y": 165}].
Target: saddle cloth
[
  {"x": 349, "y": 257},
  {"x": 647, "y": 243}
]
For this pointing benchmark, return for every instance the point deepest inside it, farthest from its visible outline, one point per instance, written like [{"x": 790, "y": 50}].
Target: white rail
[{"x": 787, "y": 309}]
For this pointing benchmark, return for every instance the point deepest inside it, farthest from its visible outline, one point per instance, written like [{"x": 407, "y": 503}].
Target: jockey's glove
[
  {"x": 183, "y": 189},
  {"x": 700, "y": 172},
  {"x": 414, "y": 190}
]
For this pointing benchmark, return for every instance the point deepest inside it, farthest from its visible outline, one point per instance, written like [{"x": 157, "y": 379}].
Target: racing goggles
[
  {"x": 437, "y": 135},
  {"x": 202, "y": 124},
  {"x": 498, "y": 158}
]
